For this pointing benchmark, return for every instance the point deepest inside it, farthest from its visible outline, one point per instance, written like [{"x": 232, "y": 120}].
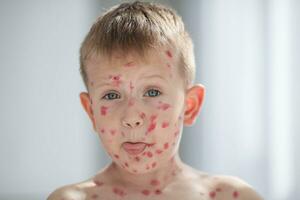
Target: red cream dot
[{"x": 146, "y": 192}]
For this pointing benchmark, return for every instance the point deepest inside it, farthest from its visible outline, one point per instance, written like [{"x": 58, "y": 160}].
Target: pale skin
[{"x": 132, "y": 99}]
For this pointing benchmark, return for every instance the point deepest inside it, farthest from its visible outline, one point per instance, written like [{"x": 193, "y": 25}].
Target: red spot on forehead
[
  {"x": 235, "y": 194},
  {"x": 146, "y": 192},
  {"x": 169, "y": 54},
  {"x": 212, "y": 194},
  {"x": 116, "y": 80},
  {"x": 103, "y": 110}
]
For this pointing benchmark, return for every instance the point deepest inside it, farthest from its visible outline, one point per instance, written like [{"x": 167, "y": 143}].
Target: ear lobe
[
  {"x": 86, "y": 104},
  {"x": 194, "y": 101}
]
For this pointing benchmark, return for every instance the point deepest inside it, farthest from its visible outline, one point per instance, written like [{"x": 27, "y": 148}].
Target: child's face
[{"x": 137, "y": 101}]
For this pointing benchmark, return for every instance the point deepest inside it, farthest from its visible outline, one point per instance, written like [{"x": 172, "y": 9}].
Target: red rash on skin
[
  {"x": 146, "y": 192},
  {"x": 153, "y": 164},
  {"x": 119, "y": 192},
  {"x": 164, "y": 124},
  {"x": 157, "y": 191},
  {"x": 158, "y": 151},
  {"x": 115, "y": 80},
  {"x": 112, "y": 132},
  {"x": 149, "y": 154},
  {"x": 98, "y": 183},
  {"x": 116, "y": 156},
  {"x": 129, "y": 64},
  {"x": 154, "y": 182},
  {"x": 151, "y": 127},
  {"x": 212, "y": 194},
  {"x": 166, "y": 145},
  {"x": 169, "y": 54},
  {"x": 163, "y": 106},
  {"x": 103, "y": 110},
  {"x": 235, "y": 194}
]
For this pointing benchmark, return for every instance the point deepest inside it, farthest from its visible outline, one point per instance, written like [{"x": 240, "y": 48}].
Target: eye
[
  {"x": 152, "y": 93},
  {"x": 111, "y": 96}
]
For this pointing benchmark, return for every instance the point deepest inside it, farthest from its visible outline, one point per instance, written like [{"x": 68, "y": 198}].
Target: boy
[{"x": 137, "y": 64}]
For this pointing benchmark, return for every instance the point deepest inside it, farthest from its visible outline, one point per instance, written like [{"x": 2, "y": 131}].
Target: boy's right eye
[{"x": 111, "y": 96}]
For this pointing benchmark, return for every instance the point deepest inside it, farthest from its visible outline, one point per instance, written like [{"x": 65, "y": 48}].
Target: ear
[
  {"x": 86, "y": 104},
  {"x": 194, "y": 100}
]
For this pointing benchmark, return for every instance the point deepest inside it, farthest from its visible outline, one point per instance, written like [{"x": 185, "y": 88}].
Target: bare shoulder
[
  {"x": 68, "y": 192},
  {"x": 232, "y": 187}
]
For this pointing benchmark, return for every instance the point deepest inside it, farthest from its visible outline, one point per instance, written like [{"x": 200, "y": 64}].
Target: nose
[{"x": 132, "y": 122}]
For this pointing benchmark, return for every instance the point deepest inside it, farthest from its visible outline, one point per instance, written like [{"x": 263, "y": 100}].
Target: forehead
[{"x": 162, "y": 61}]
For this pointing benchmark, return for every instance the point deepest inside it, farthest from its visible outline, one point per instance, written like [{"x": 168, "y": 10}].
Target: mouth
[{"x": 135, "y": 148}]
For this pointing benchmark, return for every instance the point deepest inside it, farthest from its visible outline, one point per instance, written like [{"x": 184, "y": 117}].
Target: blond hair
[{"x": 139, "y": 26}]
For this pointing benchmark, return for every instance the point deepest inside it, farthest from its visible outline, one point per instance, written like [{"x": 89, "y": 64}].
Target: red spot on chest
[{"x": 103, "y": 110}]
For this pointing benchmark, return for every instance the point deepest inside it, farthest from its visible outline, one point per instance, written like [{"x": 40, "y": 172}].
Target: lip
[{"x": 135, "y": 148}]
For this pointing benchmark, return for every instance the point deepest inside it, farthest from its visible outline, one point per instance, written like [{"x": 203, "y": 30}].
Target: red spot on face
[
  {"x": 98, "y": 183},
  {"x": 116, "y": 80},
  {"x": 166, "y": 145},
  {"x": 119, "y": 192},
  {"x": 146, "y": 192},
  {"x": 212, "y": 194},
  {"x": 165, "y": 124},
  {"x": 235, "y": 194},
  {"x": 163, "y": 106},
  {"x": 129, "y": 64},
  {"x": 112, "y": 132},
  {"x": 131, "y": 102},
  {"x": 116, "y": 156},
  {"x": 151, "y": 127},
  {"x": 153, "y": 164},
  {"x": 149, "y": 154},
  {"x": 219, "y": 190},
  {"x": 147, "y": 167},
  {"x": 154, "y": 182},
  {"x": 137, "y": 159},
  {"x": 135, "y": 171},
  {"x": 103, "y": 110},
  {"x": 158, "y": 192},
  {"x": 169, "y": 54},
  {"x": 153, "y": 118},
  {"x": 126, "y": 164},
  {"x": 94, "y": 196},
  {"x": 158, "y": 151},
  {"x": 142, "y": 115}
]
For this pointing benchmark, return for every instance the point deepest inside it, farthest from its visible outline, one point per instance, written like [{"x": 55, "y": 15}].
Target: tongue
[{"x": 134, "y": 148}]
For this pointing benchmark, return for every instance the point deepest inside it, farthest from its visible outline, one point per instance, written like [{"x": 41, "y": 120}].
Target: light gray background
[{"x": 247, "y": 54}]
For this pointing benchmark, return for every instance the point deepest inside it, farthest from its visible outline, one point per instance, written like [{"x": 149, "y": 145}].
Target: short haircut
[{"x": 139, "y": 26}]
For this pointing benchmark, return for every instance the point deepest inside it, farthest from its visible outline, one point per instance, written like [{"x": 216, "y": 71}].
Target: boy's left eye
[{"x": 152, "y": 93}]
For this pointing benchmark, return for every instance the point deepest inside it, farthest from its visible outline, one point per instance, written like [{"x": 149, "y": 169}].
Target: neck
[{"x": 159, "y": 178}]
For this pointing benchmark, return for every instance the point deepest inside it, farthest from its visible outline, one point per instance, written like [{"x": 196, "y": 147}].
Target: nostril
[
  {"x": 128, "y": 124},
  {"x": 137, "y": 123}
]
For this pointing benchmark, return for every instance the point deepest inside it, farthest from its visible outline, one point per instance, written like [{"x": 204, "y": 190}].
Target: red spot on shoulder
[
  {"x": 212, "y": 194},
  {"x": 146, "y": 192},
  {"x": 235, "y": 194}
]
